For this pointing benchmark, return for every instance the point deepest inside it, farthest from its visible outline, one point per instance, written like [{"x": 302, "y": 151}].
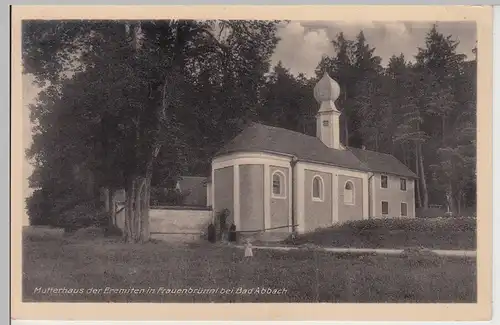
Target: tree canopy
[{"x": 120, "y": 95}]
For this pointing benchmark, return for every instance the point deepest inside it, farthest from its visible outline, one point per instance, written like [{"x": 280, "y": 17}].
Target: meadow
[{"x": 93, "y": 268}]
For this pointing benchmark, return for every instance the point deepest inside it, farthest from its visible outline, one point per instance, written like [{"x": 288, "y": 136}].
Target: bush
[
  {"x": 165, "y": 196},
  {"x": 111, "y": 230},
  {"x": 39, "y": 208},
  {"x": 292, "y": 238},
  {"x": 410, "y": 224},
  {"x": 436, "y": 233},
  {"x": 221, "y": 223},
  {"x": 211, "y": 233},
  {"x": 232, "y": 233},
  {"x": 368, "y": 224},
  {"x": 83, "y": 215}
]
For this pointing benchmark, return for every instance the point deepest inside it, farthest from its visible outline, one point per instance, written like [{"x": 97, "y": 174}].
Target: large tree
[
  {"x": 341, "y": 68},
  {"x": 356, "y": 68},
  {"x": 288, "y": 101},
  {"x": 130, "y": 98},
  {"x": 406, "y": 123},
  {"x": 447, "y": 103}
]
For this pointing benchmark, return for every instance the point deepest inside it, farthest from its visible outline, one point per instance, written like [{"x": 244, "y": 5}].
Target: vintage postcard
[{"x": 251, "y": 162}]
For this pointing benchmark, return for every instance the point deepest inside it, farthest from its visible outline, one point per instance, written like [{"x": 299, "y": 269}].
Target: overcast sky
[{"x": 304, "y": 43}]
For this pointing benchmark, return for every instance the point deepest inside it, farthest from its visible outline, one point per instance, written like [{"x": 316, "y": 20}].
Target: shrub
[
  {"x": 368, "y": 224},
  {"x": 220, "y": 222},
  {"x": 83, "y": 215},
  {"x": 292, "y": 238},
  {"x": 211, "y": 233},
  {"x": 223, "y": 219},
  {"x": 45, "y": 206},
  {"x": 232, "y": 233},
  {"x": 111, "y": 230},
  {"x": 442, "y": 233},
  {"x": 165, "y": 196},
  {"x": 410, "y": 224},
  {"x": 39, "y": 208}
]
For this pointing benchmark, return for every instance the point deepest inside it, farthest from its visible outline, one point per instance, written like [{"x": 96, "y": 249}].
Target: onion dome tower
[{"x": 326, "y": 92}]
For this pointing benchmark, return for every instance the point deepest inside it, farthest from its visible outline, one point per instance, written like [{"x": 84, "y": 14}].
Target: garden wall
[{"x": 175, "y": 223}]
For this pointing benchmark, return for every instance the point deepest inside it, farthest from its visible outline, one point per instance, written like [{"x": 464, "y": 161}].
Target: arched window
[
  {"x": 349, "y": 193},
  {"x": 317, "y": 188},
  {"x": 278, "y": 184}
]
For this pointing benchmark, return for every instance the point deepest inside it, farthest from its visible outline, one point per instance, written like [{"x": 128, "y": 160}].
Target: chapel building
[{"x": 273, "y": 178}]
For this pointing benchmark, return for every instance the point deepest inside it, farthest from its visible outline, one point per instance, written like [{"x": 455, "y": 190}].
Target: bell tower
[{"x": 326, "y": 93}]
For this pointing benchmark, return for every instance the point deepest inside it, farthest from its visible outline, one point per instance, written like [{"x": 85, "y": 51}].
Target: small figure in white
[{"x": 248, "y": 248}]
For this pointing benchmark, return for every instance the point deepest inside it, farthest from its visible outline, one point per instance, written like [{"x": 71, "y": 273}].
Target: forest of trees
[{"x": 134, "y": 105}]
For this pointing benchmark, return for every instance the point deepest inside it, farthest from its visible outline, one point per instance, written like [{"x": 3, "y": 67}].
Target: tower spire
[{"x": 326, "y": 92}]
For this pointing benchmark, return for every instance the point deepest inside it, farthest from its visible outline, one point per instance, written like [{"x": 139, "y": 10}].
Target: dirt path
[{"x": 394, "y": 252}]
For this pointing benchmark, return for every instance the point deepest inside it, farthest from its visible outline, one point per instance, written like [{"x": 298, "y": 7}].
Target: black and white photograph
[{"x": 249, "y": 161}]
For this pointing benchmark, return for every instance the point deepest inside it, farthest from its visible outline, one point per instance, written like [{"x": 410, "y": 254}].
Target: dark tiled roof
[
  {"x": 259, "y": 137},
  {"x": 382, "y": 163}
]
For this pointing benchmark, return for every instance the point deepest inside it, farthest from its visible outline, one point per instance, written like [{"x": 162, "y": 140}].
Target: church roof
[
  {"x": 382, "y": 163},
  {"x": 264, "y": 138}
]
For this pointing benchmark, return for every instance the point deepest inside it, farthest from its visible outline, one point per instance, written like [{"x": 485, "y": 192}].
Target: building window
[
  {"x": 385, "y": 207},
  {"x": 402, "y": 184},
  {"x": 278, "y": 184},
  {"x": 404, "y": 209},
  {"x": 317, "y": 188},
  {"x": 349, "y": 193},
  {"x": 383, "y": 181}
]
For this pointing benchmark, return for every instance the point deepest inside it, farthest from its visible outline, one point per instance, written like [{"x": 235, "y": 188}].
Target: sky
[{"x": 303, "y": 43}]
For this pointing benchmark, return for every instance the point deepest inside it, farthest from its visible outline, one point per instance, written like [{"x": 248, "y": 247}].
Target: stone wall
[{"x": 180, "y": 223}]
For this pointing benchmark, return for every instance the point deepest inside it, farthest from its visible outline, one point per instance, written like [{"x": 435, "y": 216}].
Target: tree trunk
[
  {"x": 129, "y": 211},
  {"x": 138, "y": 198},
  {"x": 90, "y": 183},
  {"x": 109, "y": 206},
  {"x": 346, "y": 131},
  {"x": 453, "y": 199},
  {"x": 449, "y": 199},
  {"x": 422, "y": 177},
  {"x": 112, "y": 207},
  {"x": 405, "y": 156},
  {"x": 443, "y": 127},
  {"x": 459, "y": 202},
  {"x": 137, "y": 211},
  {"x": 145, "y": 209},
  {"x": 106, "y": 199},
  {"x": 417, "y": 185},
  {"x": 138, "y": 215}
]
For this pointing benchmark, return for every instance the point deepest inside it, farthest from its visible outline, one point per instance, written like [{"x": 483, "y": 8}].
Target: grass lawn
[
  {"x": 56, "y": 261},
  {"x": 432, "y": 233}
]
